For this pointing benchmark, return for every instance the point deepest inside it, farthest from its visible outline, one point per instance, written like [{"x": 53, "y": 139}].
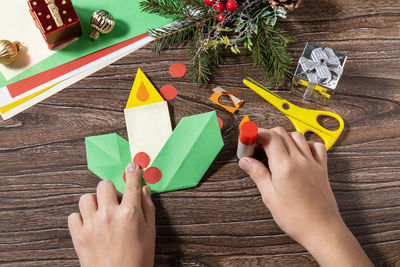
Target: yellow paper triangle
[{"x": 143, "y": 92}]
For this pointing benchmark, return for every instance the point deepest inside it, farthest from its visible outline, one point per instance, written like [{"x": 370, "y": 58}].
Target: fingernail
[
  {"x": 131, "y": 167},
  {"x": 244, "y": 164},
  {"x": 146, "y": 190}
]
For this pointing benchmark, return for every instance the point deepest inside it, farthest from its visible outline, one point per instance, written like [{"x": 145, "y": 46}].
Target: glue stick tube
[{"x": 248, "y": 134}]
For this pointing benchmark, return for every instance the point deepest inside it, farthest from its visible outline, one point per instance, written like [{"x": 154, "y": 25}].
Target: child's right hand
[{"x": 297, "y": 192}]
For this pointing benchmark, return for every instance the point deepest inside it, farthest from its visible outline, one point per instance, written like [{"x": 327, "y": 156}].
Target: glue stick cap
[{"x": 248, "y": 133}]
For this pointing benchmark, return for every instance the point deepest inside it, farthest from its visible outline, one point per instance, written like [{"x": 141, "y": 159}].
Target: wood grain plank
[{"x": 223, "y": 221}]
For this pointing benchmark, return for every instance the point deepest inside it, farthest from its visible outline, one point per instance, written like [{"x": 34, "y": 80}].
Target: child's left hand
[{"x": 106, "y": 233}]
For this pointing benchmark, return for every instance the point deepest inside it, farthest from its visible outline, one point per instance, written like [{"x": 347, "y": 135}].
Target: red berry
[
  {"x": 219, "y": 6},
  {"x": 221, "y": 17},
  {"x": 232, "y": 5},
  {"x": 209, "y": 2}
]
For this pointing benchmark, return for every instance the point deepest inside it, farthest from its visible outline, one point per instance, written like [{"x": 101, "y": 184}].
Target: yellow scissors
[{"x": 304, "y": 120}]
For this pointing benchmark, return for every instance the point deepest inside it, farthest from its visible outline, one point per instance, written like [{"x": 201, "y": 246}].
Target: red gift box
[{"x": 56, "y": 19}]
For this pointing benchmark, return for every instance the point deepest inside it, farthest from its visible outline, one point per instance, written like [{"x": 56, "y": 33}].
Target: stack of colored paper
[{"x": 39, "y": 72}]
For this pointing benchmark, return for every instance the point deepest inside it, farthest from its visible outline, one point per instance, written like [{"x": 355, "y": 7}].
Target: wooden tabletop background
[{"x": 223, "y": 221}]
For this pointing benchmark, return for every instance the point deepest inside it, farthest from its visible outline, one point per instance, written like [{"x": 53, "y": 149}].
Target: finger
[
  {"x": 149, "y": 211},
  {"x": 87, "y": 206},
  {"x": 286, "y": 139},
  {"x": 258, "y": 173},
  {"x": 106, "y": 194},
  {"x": 272, "y": 145},
  {"x": 75, "y": 224},
  {"x": 301, "y": 143},
  {"x": 132, "y": 194},
  {"x": 318, "y": 150}
]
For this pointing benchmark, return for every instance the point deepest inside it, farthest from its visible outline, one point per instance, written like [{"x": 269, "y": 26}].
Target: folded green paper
[
  {"x": 107, "y": 157},
  {"x": 183, "y": 160},
  {"x": 188, "y": 153}
]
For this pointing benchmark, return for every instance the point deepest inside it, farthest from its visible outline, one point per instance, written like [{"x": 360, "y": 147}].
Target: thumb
[{"x": 258, "y": 172}]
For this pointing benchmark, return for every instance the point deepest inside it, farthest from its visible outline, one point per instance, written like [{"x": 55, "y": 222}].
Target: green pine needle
[
  {"x": 166, "y": 8},
  {"x": 200, "y": 66},
  {"x": 270, "y": 52},
  {"x": 172, "y": 34}
]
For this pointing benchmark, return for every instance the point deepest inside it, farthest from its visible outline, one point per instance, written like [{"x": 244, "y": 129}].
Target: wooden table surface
[{"x": 223, "y": 221}]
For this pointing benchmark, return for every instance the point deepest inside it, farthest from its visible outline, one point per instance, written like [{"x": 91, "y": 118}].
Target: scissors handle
[
  {"x": 304, "y": 120},
  {"x": 309, "y": 123}
]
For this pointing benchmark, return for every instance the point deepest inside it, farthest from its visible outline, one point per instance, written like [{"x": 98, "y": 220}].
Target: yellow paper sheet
[{"x": 23, "y": 100}]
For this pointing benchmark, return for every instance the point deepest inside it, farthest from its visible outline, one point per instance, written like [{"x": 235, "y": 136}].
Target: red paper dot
[
  {"x": 177, "y": 70},
  {"x": 220, "y": 123},
  {"x": 124, "y": 177},
  {"x": 142, "y": 159},
  {"x": 152, "y": 175},
  {"x": 168, "y": 92}
]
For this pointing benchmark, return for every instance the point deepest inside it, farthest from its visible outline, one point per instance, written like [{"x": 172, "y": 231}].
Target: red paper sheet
[{"x": 20, "y": 87}]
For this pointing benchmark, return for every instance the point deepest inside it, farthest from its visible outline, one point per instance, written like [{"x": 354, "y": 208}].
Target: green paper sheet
[
  {"x": 130, "y": 22},
  {"x": 107, "y": 157},
  {"x": 188, "y": 153}
]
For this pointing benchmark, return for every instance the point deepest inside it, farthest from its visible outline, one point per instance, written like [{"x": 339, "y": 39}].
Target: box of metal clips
[{"x": 318, "y": 73}]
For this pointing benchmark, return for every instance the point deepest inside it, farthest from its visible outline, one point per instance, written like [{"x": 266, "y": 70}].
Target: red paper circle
[
  {"x": 168, "y": 92},
  {"x": 152, "y": 175},
  {"x": 142, "y": 159},
  {"x": 220, "y": 123},
  {"x": 124, "y": 177},
  {"x": 177, "y": 70}
]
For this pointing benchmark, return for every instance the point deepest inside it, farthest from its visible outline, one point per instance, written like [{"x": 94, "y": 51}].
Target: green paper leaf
[
  {"x": 188, "y": 153},
  {"x": 107, "y": 157},
  {"x": 183, "y": 160}
]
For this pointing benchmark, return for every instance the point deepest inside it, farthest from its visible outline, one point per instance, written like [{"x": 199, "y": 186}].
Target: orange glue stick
[{"x": 248, "y": 134}]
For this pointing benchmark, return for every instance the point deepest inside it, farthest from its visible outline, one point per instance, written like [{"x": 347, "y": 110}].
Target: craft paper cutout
[
  {"x": 107, "y": 157},
  {"x": 177, "y": 70},
  {"x": 245, "y": 119},
  {"x": 143, "y": 92},
  {"x": 152, "y": 175},
  {"x": 188, "y": 153},
  {"x": 142, "y": 159},
  {"x": 220, "y": 123},
  {"x": 168, "y": 92},
  {"x": 148, "y": 127},
  {"x": 218, "y": 92}
]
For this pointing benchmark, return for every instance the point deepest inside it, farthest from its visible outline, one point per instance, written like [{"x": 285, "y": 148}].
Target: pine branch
[
  {"x": 197, "y": 6},
  {"x": 270, "y": 52},
  {"x": 175, "y": 33},
  {"x": 201, "y": 61},
  {"x": 209, "y": 39},
  {"x": 166, "y": 8},
  {"x": 172, "y": 34}
]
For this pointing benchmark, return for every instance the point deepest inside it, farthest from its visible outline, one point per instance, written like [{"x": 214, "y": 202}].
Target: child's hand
[
  {"x": 296, "y": 190},
  {"x": 106, "y": 233}
]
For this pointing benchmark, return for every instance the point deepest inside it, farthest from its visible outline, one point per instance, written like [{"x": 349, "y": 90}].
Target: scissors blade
[{"x": 265, "y": 93}]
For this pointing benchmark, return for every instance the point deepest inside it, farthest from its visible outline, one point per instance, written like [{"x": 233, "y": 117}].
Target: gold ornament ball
[
  {"x": 102, "y": 22},
  {"x": 8, "y": 51}
]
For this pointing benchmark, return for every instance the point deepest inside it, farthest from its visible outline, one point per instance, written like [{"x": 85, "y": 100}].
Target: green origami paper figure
[
  {"x": 188, "y": 153},
  {"x": 107, "y": 157},
  {"x": 183, "y": 160}
]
